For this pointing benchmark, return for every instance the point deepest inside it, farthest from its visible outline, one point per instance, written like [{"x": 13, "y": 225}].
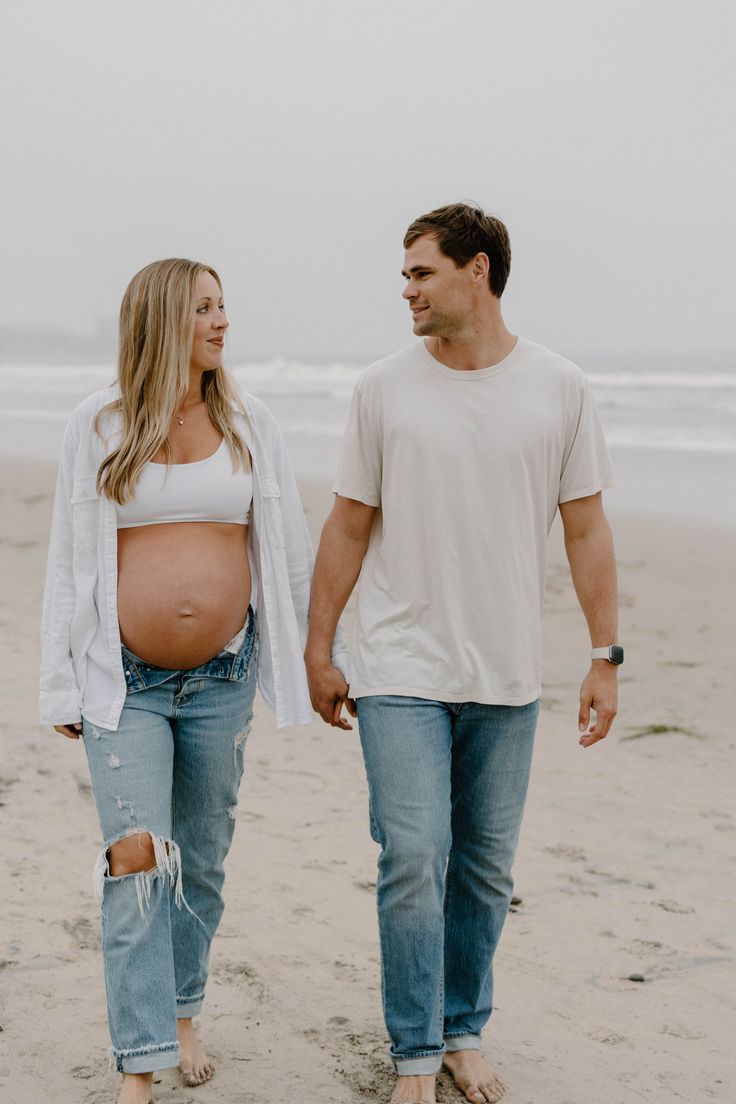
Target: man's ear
[{"x": 481, "y": 267}]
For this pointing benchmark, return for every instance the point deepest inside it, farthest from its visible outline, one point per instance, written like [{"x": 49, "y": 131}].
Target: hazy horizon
[
  {"x": 65, "y": 349},
  {"x": 290, "y": 145}
]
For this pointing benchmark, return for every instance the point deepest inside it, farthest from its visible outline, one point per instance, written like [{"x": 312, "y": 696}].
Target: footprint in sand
[
  {"x": 239, "y": 973},
  {"x": 85, "y": 935},
  {"x": 678, "y": 1031},
  {"x": 610, "y": 1038},
  {"x": 673, "y": 906},
  {"x": 566, "y": 851},
  {"x": 84, "y": 787},
  {"x": 84, "y": 1073}
]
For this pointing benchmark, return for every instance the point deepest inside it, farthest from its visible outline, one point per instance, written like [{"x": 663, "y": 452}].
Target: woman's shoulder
[
  {"x": 80, "y": 425},
  {"x": 90, "y": 406},
  {"x": 254, "y": 406},
  {"x": 83, "y": 446},
  {"x": 259, "y": 414}
]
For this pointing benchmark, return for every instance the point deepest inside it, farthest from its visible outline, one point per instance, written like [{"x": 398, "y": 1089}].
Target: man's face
[{"x": 438, "y": 292}]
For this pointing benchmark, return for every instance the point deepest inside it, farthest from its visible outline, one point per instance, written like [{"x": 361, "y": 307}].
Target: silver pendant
[{"x": 180, "y": 421}]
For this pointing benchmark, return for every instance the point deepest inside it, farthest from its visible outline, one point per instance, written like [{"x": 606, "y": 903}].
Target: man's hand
[
  {"x": 342, "y": 547},
  {"x": 329, "y": 692},
  {"x": 589, "y": 548},
  {"x": 71, "y": 731},
  {"x": 600, "y": 693}
]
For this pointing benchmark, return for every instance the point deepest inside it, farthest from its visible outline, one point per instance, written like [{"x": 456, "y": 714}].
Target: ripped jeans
[{"x": 172, "y": 770}]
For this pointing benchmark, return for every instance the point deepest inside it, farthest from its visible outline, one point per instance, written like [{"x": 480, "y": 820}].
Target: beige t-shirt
[{"x": 468, "y": 469}]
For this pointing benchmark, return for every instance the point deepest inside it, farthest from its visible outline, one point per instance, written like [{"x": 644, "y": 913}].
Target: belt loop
[{"x": 245, "y": 652}]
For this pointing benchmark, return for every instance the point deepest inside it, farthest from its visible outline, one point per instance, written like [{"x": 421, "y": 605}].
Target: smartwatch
[{"x": 614, "y": 653}]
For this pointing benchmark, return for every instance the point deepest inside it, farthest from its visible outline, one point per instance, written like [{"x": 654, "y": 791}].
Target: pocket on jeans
[{"x": 246, "y": 657}]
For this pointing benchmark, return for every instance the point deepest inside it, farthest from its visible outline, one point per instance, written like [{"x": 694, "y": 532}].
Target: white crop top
[{"x": 205, "y": 490}]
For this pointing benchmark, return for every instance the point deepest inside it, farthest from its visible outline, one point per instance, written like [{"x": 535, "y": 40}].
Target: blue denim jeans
[
  {"x": 172, "y": 770},
  {"x": 447, "y": 785}
]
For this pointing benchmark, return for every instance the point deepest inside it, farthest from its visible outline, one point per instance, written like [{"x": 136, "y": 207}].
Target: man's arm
[
  {"x": 342, "y": 547},
  {"x": 589, "y": 548}
]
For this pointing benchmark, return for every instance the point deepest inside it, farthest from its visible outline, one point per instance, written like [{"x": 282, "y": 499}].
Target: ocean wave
[
  {"x": 664, "y": 380},
  {"x": 338, "y": 379}
]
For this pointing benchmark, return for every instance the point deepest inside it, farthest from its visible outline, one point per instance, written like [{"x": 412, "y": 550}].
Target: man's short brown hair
[{"x": 461, "y": 231}]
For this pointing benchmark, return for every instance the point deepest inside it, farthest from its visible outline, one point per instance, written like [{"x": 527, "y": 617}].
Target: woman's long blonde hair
[{"x": 156, "y": 331}]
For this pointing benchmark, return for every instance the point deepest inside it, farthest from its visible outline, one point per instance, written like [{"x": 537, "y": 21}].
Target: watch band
[{"x": 614, "y": 653}]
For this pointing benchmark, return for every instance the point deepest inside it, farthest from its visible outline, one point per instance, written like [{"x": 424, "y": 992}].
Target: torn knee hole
[
  {"x": 133, "y": 854},
  {"x": 144, "y": 856}
]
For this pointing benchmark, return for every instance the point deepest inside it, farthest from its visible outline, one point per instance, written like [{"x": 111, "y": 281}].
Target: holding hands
[{"x": 329, "y": 692}]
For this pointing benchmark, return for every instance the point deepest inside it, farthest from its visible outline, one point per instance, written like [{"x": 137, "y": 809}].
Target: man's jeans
[
  {"x": 172, "y": 770},
  {"x": 447, "y": 786}
]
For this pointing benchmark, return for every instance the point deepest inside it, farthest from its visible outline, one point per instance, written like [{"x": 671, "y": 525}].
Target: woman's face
[{"x": 210, "y": 324}]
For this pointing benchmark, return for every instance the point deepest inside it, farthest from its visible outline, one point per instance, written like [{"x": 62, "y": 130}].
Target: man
[{"x": 457, "y": 454}]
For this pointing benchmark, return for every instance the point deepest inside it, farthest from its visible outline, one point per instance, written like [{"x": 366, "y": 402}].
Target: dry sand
[{"x": 623, "y": 869}]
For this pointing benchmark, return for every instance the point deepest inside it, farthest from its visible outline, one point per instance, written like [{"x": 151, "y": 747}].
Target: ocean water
[{"x": 678, "y": 412}]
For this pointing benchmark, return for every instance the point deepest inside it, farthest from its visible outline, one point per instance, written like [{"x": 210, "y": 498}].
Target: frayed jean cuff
[
  {"x": 421, "y": 1065},
  {"x": 461, "y": 1042},
  {"x": 147, "y": 1059},
  {"x": 189, "y": 1007}
]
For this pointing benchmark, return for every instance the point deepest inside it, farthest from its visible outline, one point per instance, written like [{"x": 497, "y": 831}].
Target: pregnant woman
[{"x": 178, "y": 576}]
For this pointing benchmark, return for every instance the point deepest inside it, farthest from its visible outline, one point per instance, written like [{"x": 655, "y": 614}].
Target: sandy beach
[{"x": 625, "y": 868}]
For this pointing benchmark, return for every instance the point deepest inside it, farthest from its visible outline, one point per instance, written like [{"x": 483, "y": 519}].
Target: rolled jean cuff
[
  {"x": 189, "y": 1007},
  {"x": 416, "y": 1067},
  {"x": 147, "y": 1059},
  {"x": 461, "y": 1042}
]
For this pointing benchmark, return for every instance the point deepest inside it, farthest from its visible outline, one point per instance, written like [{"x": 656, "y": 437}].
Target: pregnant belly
[{"x": 183, "y": 590}]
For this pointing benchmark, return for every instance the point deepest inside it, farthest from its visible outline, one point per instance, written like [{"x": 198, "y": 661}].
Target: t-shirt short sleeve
[
  {"x": 360, "y": 467},
  {"x": 586, "y": 464}
]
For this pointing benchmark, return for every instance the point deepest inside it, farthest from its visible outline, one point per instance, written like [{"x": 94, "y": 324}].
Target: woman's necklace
[{"x": 179, "y": 417}]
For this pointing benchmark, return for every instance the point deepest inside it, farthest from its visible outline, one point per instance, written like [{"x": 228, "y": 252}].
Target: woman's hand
[{"x": 71, "y": 731}]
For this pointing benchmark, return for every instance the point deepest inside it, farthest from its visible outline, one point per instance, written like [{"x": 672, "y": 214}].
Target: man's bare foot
[
  {"x": 195, "y": 1066},
  {"x": 474, "y": 1076},
  {"x": 136, "y": 1088},
  {"x": 416, "y": 1089}
]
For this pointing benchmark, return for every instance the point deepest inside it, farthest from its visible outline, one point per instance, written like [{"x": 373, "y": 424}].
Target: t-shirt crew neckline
[{"x": 478, "y": 373}]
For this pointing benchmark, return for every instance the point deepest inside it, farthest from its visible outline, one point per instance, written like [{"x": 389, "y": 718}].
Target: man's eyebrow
[{"x": 417, "y": 268}]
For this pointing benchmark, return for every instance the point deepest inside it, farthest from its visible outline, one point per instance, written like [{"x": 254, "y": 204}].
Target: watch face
[{"x": 616, "y": 654}]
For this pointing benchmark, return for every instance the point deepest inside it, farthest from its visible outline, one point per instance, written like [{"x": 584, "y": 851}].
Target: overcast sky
[{"x": 290, "y": 143}]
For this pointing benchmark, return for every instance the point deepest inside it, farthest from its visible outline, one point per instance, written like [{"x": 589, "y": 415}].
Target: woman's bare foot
[
  {"x": 136, "y": 1088},
  {"x": 474, "y": 1076},
  {"x": 416, "y": 1089},
  {"x": 195, "y": 1066}
]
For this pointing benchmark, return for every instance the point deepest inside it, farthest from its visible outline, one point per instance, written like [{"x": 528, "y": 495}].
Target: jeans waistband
[{"x": 227, "y": 664}]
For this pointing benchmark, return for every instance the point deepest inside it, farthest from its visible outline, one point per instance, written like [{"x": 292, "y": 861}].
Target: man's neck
[{"x": 473, "y": 351}]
